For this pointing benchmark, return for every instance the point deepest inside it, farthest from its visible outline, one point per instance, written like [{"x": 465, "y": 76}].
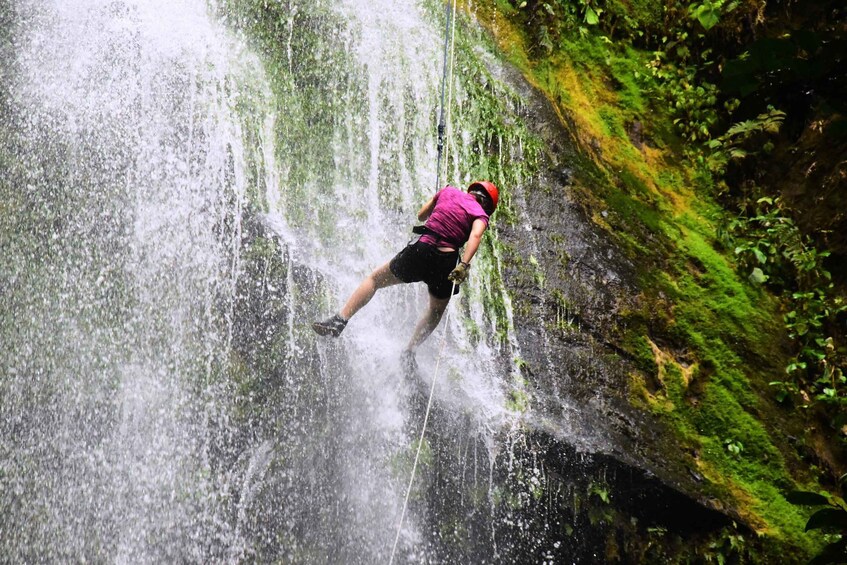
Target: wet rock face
[
  {"x": 542, "y": 499},
  {"x": 568, "y": 281},
  {"x": 570, "y": 286}
]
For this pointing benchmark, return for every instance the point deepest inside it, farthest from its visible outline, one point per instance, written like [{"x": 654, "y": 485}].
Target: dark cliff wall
[{"x": 628, "y": 302}]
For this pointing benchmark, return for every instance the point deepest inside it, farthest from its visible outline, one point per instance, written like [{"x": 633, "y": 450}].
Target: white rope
[
  {"x": 451, "y": 23},
  {"x": 423, "y": 431},
  {"x": 450, "y": 95}
]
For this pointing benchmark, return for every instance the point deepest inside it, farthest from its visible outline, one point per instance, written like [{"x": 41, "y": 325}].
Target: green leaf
[
  {"x": 758, "y": 276},
  {"x": 795, "y": 367},
  {"x": 833, "y": 553},
  {"x": 805, "y": 498},
  {"x": 591, "y": 17},
  {"x": 707, "y": 16},
  {"x": 834, "y": 518},
  {"x": 760, "y": 257}
]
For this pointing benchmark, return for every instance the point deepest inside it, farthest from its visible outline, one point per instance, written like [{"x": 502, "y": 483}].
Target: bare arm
[
  {"x": 426, "y": 209},
  {"x": 477, "y": 229}
]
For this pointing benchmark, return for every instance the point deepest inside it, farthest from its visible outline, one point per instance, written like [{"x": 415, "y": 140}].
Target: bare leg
[
  {"x": 429, "y": 321},
  {"x": 380, "y": 278}
]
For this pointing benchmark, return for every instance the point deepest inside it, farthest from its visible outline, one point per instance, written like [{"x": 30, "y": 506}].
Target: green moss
[
  {"x": 632, "y": 214},
  {"x": 612, "y": 121},
  {"x": 713, "y": 418},
  {"x": 517, "y": 401},
  {"x": 719, "y": 336},
  {"x": 315, "y": 87},
  {"x": 730, "y": 329},
  {"x": 639, "y": 346},
  {"x": 626, "y": 69}
]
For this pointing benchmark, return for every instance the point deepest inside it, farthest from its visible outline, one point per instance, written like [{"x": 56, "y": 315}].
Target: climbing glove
[{"x": 460, "y": 273}]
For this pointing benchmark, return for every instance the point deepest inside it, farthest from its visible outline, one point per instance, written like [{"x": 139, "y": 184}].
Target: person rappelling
[{"x": 453, "y": 218}]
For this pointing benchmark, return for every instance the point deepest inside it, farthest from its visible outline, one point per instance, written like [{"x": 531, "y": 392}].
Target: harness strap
[
  {"x": 439, "y": 240},
  {"x": 424, "y": 230}
]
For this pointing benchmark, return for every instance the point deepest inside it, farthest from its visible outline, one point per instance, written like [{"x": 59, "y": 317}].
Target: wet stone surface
[{"x": 569, "y": 286}]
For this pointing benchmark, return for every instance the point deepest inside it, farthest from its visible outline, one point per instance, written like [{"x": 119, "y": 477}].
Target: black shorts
[{"x": 422, "y": 262}]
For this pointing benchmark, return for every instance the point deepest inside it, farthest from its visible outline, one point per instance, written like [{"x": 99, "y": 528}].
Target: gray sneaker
[
  {"x": 408, "y": 362},
  {"x": 331, "y": 326}
]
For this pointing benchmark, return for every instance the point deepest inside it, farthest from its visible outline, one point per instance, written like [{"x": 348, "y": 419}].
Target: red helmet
[{"x": 488, "y": 188}]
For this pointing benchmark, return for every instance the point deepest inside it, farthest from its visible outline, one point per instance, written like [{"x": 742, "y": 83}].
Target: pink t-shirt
[{"x": 452, "y": 218}]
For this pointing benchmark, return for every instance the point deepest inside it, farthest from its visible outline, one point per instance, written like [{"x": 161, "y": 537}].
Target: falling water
[
  {"x": 179, "y": 209},
  {"x": 127, "y": 189},
  {"x": 384, "y": 169}
]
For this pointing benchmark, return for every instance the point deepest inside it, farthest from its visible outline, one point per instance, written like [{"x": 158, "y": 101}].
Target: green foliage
[
  {"x": 744, "y": 139},
  {"x": 551, "y": 20},
  {"x": 734, "y": 447},
  {"x": 683, "y": 71},
  {"x": 729, "y": 329},
  {"x": 770, "y": 247},
  {"x": 719, "y": 335},
  {"x": 730, "y": 546},
  {"x": 678, "y": 70},
  {"x": 709, "y": 12},
  {"x": 831, "y": 519}
]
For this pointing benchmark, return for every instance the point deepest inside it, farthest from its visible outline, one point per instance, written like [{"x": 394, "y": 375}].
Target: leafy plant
[
  {"x": 744, "y": 139},
  {"x": 772, "y": 250},
  {"x": 591, "y": 12},
  {"x": 729, "y": 546},
  {"x": 785, "y": 390},
  {"x": 549, "y": 20},
  {"x": 709, "y": 12},
  {"x": 678, "y": 72},
  {"x": 734, "y": 446},
  {"x": 831, "y": 518}
]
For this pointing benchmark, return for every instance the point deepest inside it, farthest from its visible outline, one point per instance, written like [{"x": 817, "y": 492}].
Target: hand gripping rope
[{"x": 449, "y": 38}]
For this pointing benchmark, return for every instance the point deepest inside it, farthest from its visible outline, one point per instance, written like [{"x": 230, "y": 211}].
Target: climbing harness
[{"x": 449, "y": 37}]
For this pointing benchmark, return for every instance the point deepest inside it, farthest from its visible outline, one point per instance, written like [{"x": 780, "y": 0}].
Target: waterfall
[
  {"x": 129, "y": 175},
  {"x": 386, "y": 94},
  {"x": 178, "y": 210}
]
